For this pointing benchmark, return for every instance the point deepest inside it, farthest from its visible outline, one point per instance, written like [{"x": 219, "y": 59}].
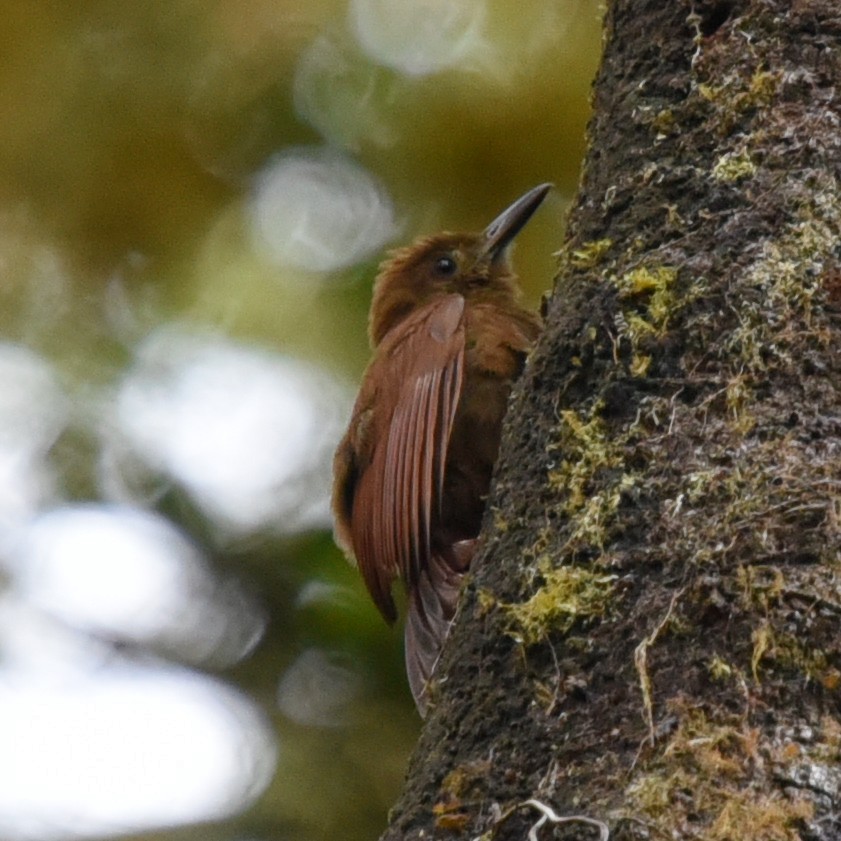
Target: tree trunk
[{"x": 652, "y": 635}]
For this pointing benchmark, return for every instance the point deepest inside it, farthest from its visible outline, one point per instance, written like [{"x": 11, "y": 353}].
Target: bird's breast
[{"x": 496, "y": 345}]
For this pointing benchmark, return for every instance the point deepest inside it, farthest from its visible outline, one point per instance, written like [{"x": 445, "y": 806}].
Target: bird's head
[{"x": 476, "y": 266}]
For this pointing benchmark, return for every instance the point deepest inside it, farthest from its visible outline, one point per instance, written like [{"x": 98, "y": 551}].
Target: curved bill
[{"x": 499, "y": 234}]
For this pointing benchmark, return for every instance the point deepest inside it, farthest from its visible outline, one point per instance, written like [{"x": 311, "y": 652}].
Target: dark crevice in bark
[{"x": 714, "y": 17}]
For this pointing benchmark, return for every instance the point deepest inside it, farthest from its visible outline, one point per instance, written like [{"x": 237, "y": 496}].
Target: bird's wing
[
  {"x": 417, "y": 375},
  {"x": 432, "y": 607}
]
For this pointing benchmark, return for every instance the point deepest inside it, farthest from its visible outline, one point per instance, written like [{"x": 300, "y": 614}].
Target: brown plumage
[{"x": 412, "y": 473}]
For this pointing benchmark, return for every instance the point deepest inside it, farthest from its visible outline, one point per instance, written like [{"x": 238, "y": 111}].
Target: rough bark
[{"x": 651, "y": 636}]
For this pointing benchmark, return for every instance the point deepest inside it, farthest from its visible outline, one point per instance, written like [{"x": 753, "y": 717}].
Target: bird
[{"x": 412, "y": 473}]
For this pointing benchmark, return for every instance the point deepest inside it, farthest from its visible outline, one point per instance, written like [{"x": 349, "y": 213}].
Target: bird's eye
[{"x": 445, "y": 266}]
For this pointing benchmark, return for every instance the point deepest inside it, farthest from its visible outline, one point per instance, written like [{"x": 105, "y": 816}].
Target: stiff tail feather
[{"x": 432, "y": 606}]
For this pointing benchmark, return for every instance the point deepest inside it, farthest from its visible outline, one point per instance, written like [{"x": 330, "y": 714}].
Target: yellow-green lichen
[
  {"x": 716, "y": 761},
  {"x": 566, "y": 595},
  {"x": 719, "y": 669},
  {"x": 739, "y": 396},
  {"x": 501, "y": 525},
  {"x": 486, "y": 602},
  {"x": 589, "y": 254},
  {"x": 665, "y": 123},
  {"x": 749, "y": 815},
  {"x": 587, "y": 448},
  {"x": 758, "y": 495},
  {"x": 789, "y": 651},
  {"x": 449, "y": 807},
  {"x": 734, "y": 166},
  {"x": 763, "y": 588},
  {"x": 640, "y": 363},
  {"x": 762, "y": 638},
  {"x": 776, "y": 320},
  {"x": 590, "y": 476},
  {"x": 649, "y": 303},
  {"x": 737, "y": 93}
]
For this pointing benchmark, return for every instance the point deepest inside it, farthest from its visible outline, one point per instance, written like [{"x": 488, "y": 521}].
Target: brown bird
[{"x": 412, "y": 472}]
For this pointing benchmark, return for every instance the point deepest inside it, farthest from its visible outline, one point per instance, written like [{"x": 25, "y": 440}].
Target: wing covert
[{"x": 418, "y": 372}]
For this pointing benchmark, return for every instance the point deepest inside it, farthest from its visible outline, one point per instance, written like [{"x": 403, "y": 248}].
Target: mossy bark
[{"x": 652, "y": 635}]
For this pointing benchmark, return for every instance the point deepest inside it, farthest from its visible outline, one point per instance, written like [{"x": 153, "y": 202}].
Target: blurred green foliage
[{"x": 131, "y": 137}]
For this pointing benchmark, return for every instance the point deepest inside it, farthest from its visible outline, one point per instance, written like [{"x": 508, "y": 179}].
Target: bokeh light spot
[
  {"x": 33, "y": 411},
  {"x": 317, "y": 210},
  {"x": 129, "y": 575},
  {"x": 247, "y": 432},
  {"x": 126, "y": 748},
  {"x": 418, "y": 38},
  {"x": 318, "y": 689}
]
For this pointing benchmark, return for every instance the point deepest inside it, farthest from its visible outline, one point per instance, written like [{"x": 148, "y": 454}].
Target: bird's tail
[{"x": 432, "y": 606}]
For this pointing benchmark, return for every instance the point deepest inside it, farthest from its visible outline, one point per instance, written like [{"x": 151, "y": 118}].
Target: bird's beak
[{"x": 500, "y": 233}]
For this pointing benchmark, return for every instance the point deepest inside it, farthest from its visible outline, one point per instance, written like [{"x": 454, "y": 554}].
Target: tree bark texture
[{"x": 652, "y": 634}]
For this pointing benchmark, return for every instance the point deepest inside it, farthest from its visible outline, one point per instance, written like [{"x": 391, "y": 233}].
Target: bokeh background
[{"x": 194, "y": 197}]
